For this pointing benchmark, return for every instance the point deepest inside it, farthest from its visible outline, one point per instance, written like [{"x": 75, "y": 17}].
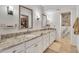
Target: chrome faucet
[
  {"x": 28, "y": 31},
  {"x": 0, "y": 38}
]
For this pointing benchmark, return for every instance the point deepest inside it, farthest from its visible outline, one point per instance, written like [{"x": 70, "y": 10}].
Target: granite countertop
[{"x": 20, "y": 39}]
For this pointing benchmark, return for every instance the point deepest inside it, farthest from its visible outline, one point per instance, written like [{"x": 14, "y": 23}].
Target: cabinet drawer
[
  {"x": 32, "y": 49},
  {"x": 46, "y": 41},
  {"x": 16, "y": 49},
  {"x": 35, "y": 48},
  {"x": 52, "y": 37},
  {"x": 31, "y": 42}
]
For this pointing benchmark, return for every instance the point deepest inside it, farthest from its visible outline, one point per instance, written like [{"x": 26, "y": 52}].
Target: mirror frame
[
  {"x": 43, "y": 20},
  {"x": 68, "y": 14},
  {"x": 20, "y": 6}
]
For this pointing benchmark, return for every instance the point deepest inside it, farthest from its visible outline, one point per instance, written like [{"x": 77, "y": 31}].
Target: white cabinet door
[
  {"x": 35, "y": 46},
  {"x": 46, "y": 41},
  {"x": 52, "y": 37},
  {"x": 40, "y": 46},
  {"x": 16, "y": 49}
]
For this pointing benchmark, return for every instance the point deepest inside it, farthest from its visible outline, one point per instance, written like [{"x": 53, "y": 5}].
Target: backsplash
[{"x": 5, "y": 36}]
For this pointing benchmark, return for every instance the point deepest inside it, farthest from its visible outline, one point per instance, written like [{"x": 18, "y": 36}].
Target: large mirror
[
  {"x": 44, "y": 20},
  {"x": 26, "y": 17}
]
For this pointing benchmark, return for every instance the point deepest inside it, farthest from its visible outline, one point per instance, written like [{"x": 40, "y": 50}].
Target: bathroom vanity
[
  {"x": 25, "y": 30},
  {"x": 34, "y": 42}
]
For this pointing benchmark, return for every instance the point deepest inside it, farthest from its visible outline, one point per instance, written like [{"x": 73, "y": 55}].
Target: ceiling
[{"x": 57, "y": 7}]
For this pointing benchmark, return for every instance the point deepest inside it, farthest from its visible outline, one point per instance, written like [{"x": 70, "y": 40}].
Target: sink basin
[
  {"x": 30, "y": 36},
  {"x": 26, "y": 36},
  {"x": 37, "y": 33},
  {"x": 19, "y": 37}
]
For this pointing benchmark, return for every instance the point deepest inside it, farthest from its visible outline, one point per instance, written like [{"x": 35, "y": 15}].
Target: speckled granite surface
[{"x": 9, "y": 42}]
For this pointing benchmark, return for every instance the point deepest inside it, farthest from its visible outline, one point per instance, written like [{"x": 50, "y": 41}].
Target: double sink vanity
[
  {"x": 31, "y": 34},
  {"x": 32, "y": 42}
]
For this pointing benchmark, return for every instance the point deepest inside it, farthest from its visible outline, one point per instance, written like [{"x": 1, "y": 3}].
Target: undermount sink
[
  {"x": 19, "y": 37},
  {"x": 31, "y": 35},
  {"x": 25, "y": 36},
  {"x": 37, "y": 33}
]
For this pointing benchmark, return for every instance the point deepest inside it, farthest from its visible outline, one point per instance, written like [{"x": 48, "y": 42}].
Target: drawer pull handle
[
  {"x": 35, "y": 45},
  {"x": 14, "y": 51}
]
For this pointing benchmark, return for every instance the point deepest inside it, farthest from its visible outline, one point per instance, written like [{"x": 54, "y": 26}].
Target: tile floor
[{"x": 61, "y": 46}]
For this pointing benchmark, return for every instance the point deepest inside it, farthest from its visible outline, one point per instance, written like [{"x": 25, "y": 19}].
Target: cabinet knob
[
  {"x": 14, "y": 51},
  {"x": 35, "y": 45}
]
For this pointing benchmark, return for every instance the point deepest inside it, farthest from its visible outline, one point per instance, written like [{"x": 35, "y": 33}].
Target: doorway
[{"x": 66, "y": 25}]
